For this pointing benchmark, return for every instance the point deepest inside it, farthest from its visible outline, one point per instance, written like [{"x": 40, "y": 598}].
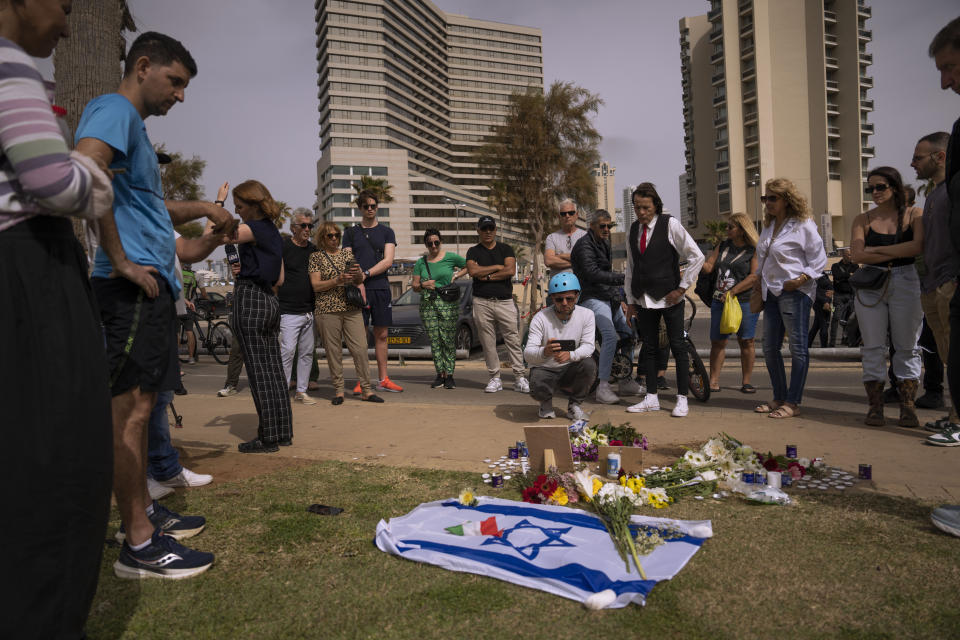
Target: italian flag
[{"x": 486, "y": 528}]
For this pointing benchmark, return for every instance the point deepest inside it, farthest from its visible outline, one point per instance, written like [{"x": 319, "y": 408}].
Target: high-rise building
[
  {"x": 407, "y": 93},
  {"x": 776, "y": 89},
  {"x": 604, "y": 174},
  {"x": 627, "y": 215}
]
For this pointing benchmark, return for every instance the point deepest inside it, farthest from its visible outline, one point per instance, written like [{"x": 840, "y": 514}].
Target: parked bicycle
[{"x": 216, "y": 339}]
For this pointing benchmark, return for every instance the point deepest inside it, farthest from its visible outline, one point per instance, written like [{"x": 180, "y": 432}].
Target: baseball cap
[{"x": 486, "y": 221}]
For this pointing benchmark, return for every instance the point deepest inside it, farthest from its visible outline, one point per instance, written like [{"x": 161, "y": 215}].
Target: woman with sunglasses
[
  {"x": 889, "y": 236},
  {"x": 790, "y": 257},
  {"x": 331, "y": 269},
  {"x": 431, "y": 272},
  {"x": 735, "y": 263},
  {"x": 256, "y": 314}
]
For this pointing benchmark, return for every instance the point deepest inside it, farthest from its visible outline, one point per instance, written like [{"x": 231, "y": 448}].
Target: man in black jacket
[
  {"x": 842, "y": 292},
  {"x": 600, "y": 292},
  {"x": 821, "y": 310}
]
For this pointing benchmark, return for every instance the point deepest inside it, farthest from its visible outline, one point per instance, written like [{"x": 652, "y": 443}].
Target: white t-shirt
[
  {"x": 546, "y": 325},
  {"x": 560, "y": 242}
]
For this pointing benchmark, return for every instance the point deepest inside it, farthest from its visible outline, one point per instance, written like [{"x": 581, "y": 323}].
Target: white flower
[
  {"x": 611, "y": 492},
  {"x": 695, "y": 459},
  {"x": 714, "y": 448},
  {"x": 584, "y": 480},
  {"x": 603, "y": 439},
  {"x": 804, "y": 462},
  {"x": 708, "y": 476}
]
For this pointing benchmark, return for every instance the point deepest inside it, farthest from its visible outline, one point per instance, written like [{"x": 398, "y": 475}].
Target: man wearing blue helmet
[{"x": 560, "y": 347}]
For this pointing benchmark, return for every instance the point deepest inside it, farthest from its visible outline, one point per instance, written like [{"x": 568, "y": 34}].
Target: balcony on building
[
  {"x": 744, "y": 5},
  {"x": 749, "y": 94},
  {"x": 829, "y": 17},
  {"x": 833, "y": 153},
  {"x": 751, "y": 139},
  {"x": 717, "y": 78},
  {"x": 833, "y": 86},
  {"x": 833, "y": 109},
  {"x": 833, "y": 132},
  {"x": 717, "y": 57},
  {"x": 750, "y": 115},
  {"x": 748, "y": 69},
  {"x": 723, "y": 164},
  {"x": 866, "y": 127},
  {"x": 716, "y": 33},
  {"x": 714, "y": 14},
  {"x": 866, "y": 58},
  {"x": 833, "y": 175},
  {"x": 746, "y": 26},
  {"x": 723, "y": 186},
  {"x": 719, "y": 99},
  {"x": 868, "y": 152},
  {"x": 746, "y": 47},
  {"x": 752, "y": 162},
  {"x": 830, "y": 39},
  {"x": 831, "y": 62},
  {"x": 719, "y": 121},
  {"x": 865, "y": 34},
  {"x": 721, "y": 143},
  {"x": 866, "y": 105},
  {"x": 863, "y": 10},
  {"x": 866, "y": 81}
]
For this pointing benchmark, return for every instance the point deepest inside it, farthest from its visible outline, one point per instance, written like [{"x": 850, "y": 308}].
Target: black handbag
[
  {"x": 447, "y": 293},
  {"x": 351, "y": 292},
  {"x": 869, "y": 276}
]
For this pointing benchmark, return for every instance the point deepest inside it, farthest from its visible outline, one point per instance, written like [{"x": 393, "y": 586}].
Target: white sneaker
[
  {"x": 680, "y": 411},
  {"x": 546, "y": 409},
  {"x": 493, "y": 386},
  {"x": 227, "y": 391},
  {"x": 650, "y": 402},
  {"x": 630, "y": 387},
  {"x": 304, "y": 399},
  {"x": 187, "y": 478},
  {"x": 605, "y": 394},
  {"x": 156, "y": 489},
  {"x": 576, "y": 412},
  {"x": 521, "y": 385}
]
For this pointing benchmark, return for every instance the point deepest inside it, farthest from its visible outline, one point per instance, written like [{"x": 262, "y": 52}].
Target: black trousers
[
  {"x": 821, "y": 322},
  {"x": 577, "y": 376},
  {"x": 59, "y": 466},
  {"x": 953, "y": 359},
  {"x": 649, "y": 321}
]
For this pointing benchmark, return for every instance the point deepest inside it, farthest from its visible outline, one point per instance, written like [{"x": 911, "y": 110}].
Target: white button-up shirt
[
  {"x": 797, "y": 250},
  {"x": 685, "y": 246}
]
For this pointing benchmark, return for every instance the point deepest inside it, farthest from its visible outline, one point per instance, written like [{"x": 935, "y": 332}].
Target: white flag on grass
[{"x": 560, "y": 550}]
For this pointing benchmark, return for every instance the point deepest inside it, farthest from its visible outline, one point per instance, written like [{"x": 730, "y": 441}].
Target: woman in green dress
[{"x": 433, "y": 271}]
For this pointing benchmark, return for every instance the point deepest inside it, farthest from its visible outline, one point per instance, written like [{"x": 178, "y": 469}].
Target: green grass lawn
[{"x": 851, "y": 566}]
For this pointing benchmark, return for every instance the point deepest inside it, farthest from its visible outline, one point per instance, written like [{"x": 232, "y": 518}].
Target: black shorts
[
  {"x": 186, "y": 322},
  {"x": 140, "y": 335},
  {"x": 379, "y": 309}
]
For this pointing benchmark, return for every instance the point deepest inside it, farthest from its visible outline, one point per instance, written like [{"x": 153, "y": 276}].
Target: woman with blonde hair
[
  {"x": 332, "y": 269},
  {"x": 256, "y": 314},
  {"x": 887, "y": 239},
  {"x": 734, "y": 263},
  {"x": 790, "y": 256}
]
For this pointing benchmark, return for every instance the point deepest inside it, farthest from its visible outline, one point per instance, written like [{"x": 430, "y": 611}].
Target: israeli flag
[{"x": 563, "y": 551}]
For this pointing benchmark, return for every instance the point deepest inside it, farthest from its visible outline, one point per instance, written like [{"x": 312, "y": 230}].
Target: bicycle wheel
[
  {"x": 218, "y": 342},
  {"x": 699, "y": 378}
]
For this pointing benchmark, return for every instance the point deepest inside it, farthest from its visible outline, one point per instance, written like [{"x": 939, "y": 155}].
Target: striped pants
[
  {"x": 256, "y": 324},
  {"x": 440, "y": 320}
]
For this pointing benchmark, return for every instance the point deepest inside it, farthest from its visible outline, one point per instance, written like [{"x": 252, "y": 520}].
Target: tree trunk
[{"x": 87, "y": 64}]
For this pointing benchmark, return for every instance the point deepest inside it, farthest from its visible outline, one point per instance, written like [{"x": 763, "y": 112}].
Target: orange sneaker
[
  {"x": 387, "y": 385},
  {"x": 357, "y": 389}
]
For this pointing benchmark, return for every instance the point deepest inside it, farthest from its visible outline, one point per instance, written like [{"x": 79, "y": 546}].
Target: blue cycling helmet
[{"x": 564, "y": 282}]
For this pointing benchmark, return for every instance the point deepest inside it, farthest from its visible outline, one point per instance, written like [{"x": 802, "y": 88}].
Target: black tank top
[{"x": 874, "y": 239}]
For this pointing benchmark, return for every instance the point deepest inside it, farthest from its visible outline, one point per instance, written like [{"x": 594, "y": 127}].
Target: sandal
[
  {"x": 767, "y": 407},
  {"x": 786, "y": 411},
  {"x": 714, "y": 389},
  {"x": 748, "y": 388}
]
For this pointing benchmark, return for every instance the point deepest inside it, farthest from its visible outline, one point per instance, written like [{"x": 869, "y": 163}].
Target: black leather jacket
[{"x": 592, "y": 265}]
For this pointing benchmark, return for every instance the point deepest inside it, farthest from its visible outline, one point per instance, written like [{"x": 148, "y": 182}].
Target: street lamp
[
  {"x": 756, "y": 183},
  {"x": 456, "y": 213}
]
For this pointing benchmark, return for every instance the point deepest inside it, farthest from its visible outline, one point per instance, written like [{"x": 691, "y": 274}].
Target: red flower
[
  {"x": 770, "y": 464},
  {"x": 531, "y": 494},
  {"x": 59, "y": 111},
  {"x": 616, "y": 443},
  {"x": 803, "y": 470},
  {"x": 548, "y": 487}
]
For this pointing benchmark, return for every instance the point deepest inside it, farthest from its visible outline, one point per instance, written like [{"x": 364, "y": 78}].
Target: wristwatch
[
  {"x": 219, "y": 203},
  {"x": 488, "y": 277},
  {"x": 366, "y": 273}
]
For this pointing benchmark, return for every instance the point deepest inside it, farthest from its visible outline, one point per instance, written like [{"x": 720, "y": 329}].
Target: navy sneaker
[
  {"x": 163, "y": 558},
  {"x": 173, "y": 524}
]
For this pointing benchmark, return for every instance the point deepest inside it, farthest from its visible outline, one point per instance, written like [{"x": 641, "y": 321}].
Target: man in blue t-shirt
[
  {"x": 135, "y": 283},
  {"x": 374, "y": 246}
]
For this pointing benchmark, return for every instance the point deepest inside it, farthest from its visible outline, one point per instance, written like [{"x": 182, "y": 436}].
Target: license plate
[{"x": 398, "y": 340}]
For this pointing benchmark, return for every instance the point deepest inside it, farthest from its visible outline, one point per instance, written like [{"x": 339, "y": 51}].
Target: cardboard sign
[
  {"x": 631, "y": 458},
  {"x": 556, "y": 438}
]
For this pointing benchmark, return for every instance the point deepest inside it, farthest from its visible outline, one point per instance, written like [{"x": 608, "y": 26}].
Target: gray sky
[{"x": 252, "y": 110}]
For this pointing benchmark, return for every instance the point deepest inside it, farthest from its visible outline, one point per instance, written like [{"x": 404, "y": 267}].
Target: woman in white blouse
[{"x": 791, "y": 257}]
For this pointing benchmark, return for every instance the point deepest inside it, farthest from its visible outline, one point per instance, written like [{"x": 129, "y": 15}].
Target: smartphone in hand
[{"x": 567, "y": 345}]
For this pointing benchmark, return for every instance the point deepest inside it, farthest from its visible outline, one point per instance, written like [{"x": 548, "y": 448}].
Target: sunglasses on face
[
  {"x": 368, "y": 206},
  {"x": 305, "y": 225},
  {"x": 488, "y": 229},
  {"x": 568, "y": 213},
  {"x": 604, "y": 226},
  {"x": 879, "y": 188},
  {"x": 333, "y": 235},
  {"x": 564, "y": 299},
  {"x": 766, "y": 199},
  {"x": 435, "y": 243}
]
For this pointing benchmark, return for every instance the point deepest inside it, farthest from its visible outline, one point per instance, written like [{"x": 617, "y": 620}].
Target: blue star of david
[{"x": 551, "y": 538}]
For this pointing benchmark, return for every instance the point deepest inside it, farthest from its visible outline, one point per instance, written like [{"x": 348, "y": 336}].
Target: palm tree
[{"x": 379, "y": 186}]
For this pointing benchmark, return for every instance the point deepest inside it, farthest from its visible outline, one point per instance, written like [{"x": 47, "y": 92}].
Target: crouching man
[{"x": 560, "y": 347}]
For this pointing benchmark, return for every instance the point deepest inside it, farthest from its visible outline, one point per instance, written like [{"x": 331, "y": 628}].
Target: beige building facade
[
  {"x": 604, "y": 175},
  {"x": 407, "y": 93},
  {"x": 776, "y": 88}
]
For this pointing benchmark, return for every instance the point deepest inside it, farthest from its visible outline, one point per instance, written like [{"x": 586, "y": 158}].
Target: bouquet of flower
[
  {"x": 585, "y": 443},
  {"x": 548, "y": 489}
]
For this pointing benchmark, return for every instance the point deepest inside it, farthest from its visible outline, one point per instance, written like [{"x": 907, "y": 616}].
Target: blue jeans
[
  {"x": 612, "y": 327},
  {"x": 163, "y": 461},
  {"x": 787, "y": 314}
]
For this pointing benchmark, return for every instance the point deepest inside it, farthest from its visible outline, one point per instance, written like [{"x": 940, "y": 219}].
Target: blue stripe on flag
[
  {"x": 575, "y": 575},
  {"x": 571, "y": 517}
]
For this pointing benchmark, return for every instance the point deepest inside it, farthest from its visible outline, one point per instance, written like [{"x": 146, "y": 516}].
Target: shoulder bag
[
  {"x": 447, "y": 293},
  {"x": 872, "y": 276},
  {"x": 350, "y": 291}
]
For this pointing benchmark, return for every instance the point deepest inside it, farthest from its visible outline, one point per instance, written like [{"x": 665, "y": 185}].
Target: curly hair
[
  {"x": 796, "y": 203},
  {"x": 255, "y": 194},
  {"x": 325, "y": 227}
]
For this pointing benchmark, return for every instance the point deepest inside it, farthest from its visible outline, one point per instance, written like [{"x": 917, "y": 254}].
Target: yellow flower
[
  {"x": 623, "y": 481},
  {"x": 467, "y": 497},
  {"x": 635, "y": 484},
  {"x": 560, "y": 497},
  {"x": 597, "y": 485}
]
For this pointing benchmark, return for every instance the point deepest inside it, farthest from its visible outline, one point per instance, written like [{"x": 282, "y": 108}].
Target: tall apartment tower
[
  {"x": 406, "y": 93},
  {"x": 604, "y": 174},
  {"x": 775, "y": 88},
  {"x": 627, "y": 215}
]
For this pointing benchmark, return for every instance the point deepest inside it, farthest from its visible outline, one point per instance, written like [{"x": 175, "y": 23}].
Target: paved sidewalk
[{"x": 456, "y": 429}]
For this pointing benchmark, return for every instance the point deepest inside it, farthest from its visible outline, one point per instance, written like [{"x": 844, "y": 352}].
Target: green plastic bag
[{"x": 731, "y": 316}]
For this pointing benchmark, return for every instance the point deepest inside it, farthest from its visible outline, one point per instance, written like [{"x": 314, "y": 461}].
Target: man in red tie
[{"x": 656, "y": 245}]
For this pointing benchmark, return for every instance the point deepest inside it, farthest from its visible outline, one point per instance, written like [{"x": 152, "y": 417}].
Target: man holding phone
[{"x": 560, "y": 349}]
